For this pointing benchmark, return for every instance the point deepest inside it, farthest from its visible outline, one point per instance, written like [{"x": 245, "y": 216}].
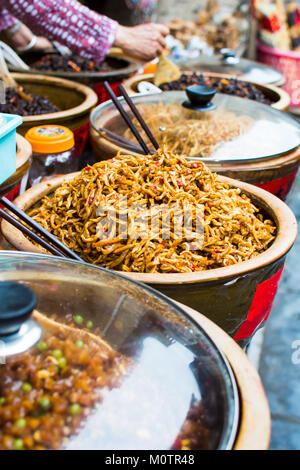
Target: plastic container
[
  {"x": 8, "y": 125},
  {"x": 288, "y": 63},
  {"x": 266, "y": 152},
  {"x": 12, "y": 186},
  {"x": 238, "y": 298},
  {"x": 167, "y": 372},
  {"x": 54, "y": 152}
]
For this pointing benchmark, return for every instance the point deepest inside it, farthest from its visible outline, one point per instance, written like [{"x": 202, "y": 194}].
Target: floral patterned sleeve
[
  {"x": 84, "y": 31},
  {"x": 6, "y": 19}
]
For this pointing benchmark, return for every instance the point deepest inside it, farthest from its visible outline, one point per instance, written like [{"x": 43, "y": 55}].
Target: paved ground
[{"x": 279, "y": 362}]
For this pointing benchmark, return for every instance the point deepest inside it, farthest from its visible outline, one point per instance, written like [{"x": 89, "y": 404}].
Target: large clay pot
[
  {"x": 230, "y": 386},
  {"x": 238, "y": 298},
  {"x": 74, "y": 100}
]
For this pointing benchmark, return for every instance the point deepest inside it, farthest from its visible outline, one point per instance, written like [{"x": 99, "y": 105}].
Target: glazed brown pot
[
  {"x": 278, "y": 96},
  {"x": 11, "y": 187},
  {"x": 254, "y": 431},
  {"x": 238, "y": 298},
  {"x": 73, "y": 99}
]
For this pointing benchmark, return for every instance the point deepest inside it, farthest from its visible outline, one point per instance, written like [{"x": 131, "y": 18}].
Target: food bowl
[
  {"x": 279, "y": 98},
  {"x": 238, "y": 298},
  {"x": 252, "y": 156},
  {"x": 228, "y": 63},
  {"x": 171, "y": 364},
  {"x": 74, "y": 100},
  {"x": 122, "y": 67},
  {"x": 11, "y": 187}
]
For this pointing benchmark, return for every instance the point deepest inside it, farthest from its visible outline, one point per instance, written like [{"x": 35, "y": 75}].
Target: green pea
[
  {"x": 45, "y": 403},
  {"x": 18, "y": 444},
  {"x": 62, "y": 362},
  {"x": 20, "y": 423},
  {"x": 26, "y": 387},
  {"x": 75, "y": 409},
  {"x": 2, "y": 401},
  {"x": 89, "y": 324},
  {"x": 42, "y": 346},
  {"x": 79, "y": 344},
  {"x": 57, "y": 354},
  {"x": 78, "y": 319}
]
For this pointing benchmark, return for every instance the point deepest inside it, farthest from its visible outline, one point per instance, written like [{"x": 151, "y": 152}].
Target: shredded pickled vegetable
[
  {"x": 188, "y": 132},
  {"x": 234, "y": 230}
]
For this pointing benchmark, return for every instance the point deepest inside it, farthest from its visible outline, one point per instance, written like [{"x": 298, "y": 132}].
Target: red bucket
[{"x": 286, "y": 62}]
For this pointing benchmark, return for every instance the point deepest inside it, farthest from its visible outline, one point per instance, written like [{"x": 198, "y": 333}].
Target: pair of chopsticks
[
  {"x": 39, "y": 234},
  {"x": 127, "y": 119},
  {"x": 49, "y": 241}
]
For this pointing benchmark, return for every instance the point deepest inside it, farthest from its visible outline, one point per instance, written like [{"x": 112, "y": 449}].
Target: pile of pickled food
[{"x": 159, "y": 213}]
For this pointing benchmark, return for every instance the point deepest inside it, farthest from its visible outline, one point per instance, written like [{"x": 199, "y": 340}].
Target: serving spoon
[{"x": 52, "y": 326}]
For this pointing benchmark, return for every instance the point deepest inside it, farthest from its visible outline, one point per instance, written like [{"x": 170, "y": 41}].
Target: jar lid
[
  {"x": 50, "y": 139},
  {"x": 144, "y": 374},
  {"x": 235, "y": 129}
]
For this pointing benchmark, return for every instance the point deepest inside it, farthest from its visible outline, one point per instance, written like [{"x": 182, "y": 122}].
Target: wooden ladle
[
  {"x": 9, "y": 81},
  {"x": 52, "y": 326}
]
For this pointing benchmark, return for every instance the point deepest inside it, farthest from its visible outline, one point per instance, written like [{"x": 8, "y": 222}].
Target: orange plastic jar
[{"x": 54, "y": 152}]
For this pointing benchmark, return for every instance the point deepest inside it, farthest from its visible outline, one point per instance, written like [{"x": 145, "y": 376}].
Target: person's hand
[
  {"x": 42, "y": 44},
  {"x": 23, "y": 36},
  {"x": 145, "y": 41}
]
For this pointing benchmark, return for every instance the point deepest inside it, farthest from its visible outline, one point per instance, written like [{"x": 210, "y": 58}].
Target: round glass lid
[
  {"x": 225, "y": 128},
  {"x": 227, "y": 63},
  {"x": 118, "y": 366}
]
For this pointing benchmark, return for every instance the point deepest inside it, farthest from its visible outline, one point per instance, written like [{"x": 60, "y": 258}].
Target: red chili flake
[
  {"x": 90, "y": 199},
  {"x": 179, "y": 183},
  {"x": 157, "y": 163},
  {"x": 89, "y": 168},
  {"x": 177, "y": 444},
  {"x": 100, "y": 173},
  {"x": 74, "y": 66},
  {"x": 194, "y": 267},
  {"x": 196, "y": 165}
]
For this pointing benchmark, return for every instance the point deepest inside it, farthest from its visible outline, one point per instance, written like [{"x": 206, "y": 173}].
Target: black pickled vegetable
[
  {"x": 227, "y": 86},
  {"x": 15, "y": 104},
  {"x": 74, "y": 63}
]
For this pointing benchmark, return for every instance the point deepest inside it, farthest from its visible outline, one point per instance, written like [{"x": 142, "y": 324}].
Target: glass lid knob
[
  {"x": 229, "y": 56},
  {"x": 18, "y": 332},
  {"x": 200, "y": 98}
]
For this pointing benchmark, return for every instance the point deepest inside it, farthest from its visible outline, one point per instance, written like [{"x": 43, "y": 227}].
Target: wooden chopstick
[
  {"x": 33, "y": 236},
  {"x": 38, "y": 228},
  {"x": 138, "y": 116},
  {"x": 126, "y": 117}
]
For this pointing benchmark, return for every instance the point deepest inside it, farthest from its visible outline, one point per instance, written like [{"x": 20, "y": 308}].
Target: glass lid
[
  {"x": 211, "y": 127},
  {"x": 228, "y": 63},
  {"x": 117, "y": 365}
]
